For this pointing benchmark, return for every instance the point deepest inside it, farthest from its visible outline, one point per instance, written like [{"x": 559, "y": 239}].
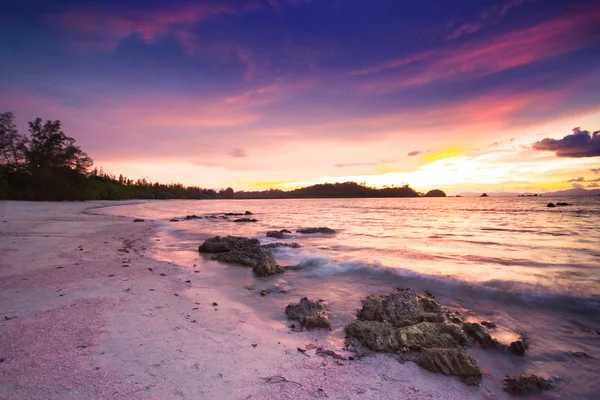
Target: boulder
[
  {"x": 551, "y": 205},
  {"x": 139, "y": 220},
  {"x": 192, "y": 217},
  {"x": 316, "y": 230},
  {"x": 305, "y": 308},
  {"x": 429, "y": 334},
  {"x": 480, "y": 334},
  {"x": 243, "y": 251},
  {"x": 528, "y": 383},
  {"x": 561, "y": 204},
  {"x": 220, "y": 244},
  {"x": 519, "y": 346},
  {"x": 401, "y": 308},
  {"x": 278, "y": 234},
  {"x": 378, "y": 336},
  {"x": 318, "y": 320},
  {"x": 248, "y": 213},
  {"x": 309, "y": 313},
  {"x": 451, "y": 362},
  {"x": 245, "y": 220}
]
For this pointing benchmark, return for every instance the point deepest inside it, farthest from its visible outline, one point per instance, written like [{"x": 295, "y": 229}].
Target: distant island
[
  {"x": 47, "y": 165},
  {"x": 567, "y": 192}
]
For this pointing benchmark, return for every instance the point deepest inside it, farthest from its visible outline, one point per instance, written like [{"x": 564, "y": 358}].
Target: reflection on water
[{"x": 513, "y": 260}]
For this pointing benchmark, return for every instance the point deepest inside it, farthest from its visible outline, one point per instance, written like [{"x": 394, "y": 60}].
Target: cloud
[
  {"x": 596, "y": 171},
  {"x": 579, "y": 144},
  {"x": 577, "y": 186},
  {"x": 580, "y": 179},
  {"x": 593, "y": 185},
  {"x": 414, "y": 153},
  {"x": 238, "y": 153}
]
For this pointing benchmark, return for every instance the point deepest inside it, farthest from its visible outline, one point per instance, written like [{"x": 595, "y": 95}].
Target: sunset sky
[{"x": 253, "y": 94}]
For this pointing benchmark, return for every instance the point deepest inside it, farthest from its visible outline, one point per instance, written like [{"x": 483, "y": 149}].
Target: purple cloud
[{"x": 579, "y": 144}]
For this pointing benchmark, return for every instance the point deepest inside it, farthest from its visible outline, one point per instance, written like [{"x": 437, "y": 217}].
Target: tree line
[{"x": 48, "y": 165}]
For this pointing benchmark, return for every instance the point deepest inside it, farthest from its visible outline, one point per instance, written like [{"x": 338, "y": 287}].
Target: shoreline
[{"x": 72, "y": 331}]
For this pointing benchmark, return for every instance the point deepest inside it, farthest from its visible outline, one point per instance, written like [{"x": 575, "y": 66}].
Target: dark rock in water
[
  {"x": 401, "y": 308},
  {"x": 248, "y": 213},
  {"x": 518, "y": 347},
  {"x": 435, "y": 193},
  {"x": 192, "y": 217},
  {"x": 316, "y": 230},
  {"x": 245, "y": 220},
  {"x": 278, "y": 234},
  {"x": 529, "y": 383},
  {"x": 451, "y": 362},
  {"x": 279, "y": 244},
  {"x": 318, "y": 320},
  {"x": 232, "y": 214},
  {"x": 243, "y": 251},
  {"x": 173, "y": 220},
  {"x": 484, "y": 195},
  {"x": 551, "y": 205},
  {"x": 488, "y": 324},
  {"x": 139, "y": 220},
  {"x": 303, "y": 309},
  {"x": 481, "y": 335},
  {"x": 219, "y": 244},
  {"x": 562, "y": 204}
]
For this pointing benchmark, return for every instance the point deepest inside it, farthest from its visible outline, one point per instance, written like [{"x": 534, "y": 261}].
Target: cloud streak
[{"x": 580, "y": 144}]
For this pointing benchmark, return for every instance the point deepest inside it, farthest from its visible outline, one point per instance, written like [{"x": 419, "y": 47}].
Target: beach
[{"x": 88, "y": 311}]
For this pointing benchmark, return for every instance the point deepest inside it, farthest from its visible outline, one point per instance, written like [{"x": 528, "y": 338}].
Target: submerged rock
[
  {"x": 243, "y": 251},
  {"x": 528, "y": 383},
  {"x": 316, "y": 230},
  {"x": 561, "y": 204},
  {"x": 245, "y": 220},
  {"x": 192, "y": 217},
  {"x": 451, "y": 362},
  {"x": 551, "y": 205},
  {"x": 279, "y": 244},
  {"x": 139, "y": 220},
  {"x": 309, "y": 313},
  {"x": 278, "y": 234}
]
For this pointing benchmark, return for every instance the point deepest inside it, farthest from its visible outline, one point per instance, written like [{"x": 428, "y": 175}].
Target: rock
[
  {"x": 278, "y": 234},
  {"x": 173, "y": 220},
  {"x": 401, "y": 308},
  {"x": 139, "y": 220},
  {"x": 551, "y": 205},
  {"x": 435, "y": 193},
  {"x": 245, "y": 220},
  {"x": 488, "y": 324},
  {"x": 562, "y": 204},
  {"x": 220, "y": 244},
  {"x": 247, "y": 213},
  {"x": 318, "y": 320},
  {"x": 430, "y": 335},
  {"x": 378, "y": 336},
  {"x": 279, "y": 244},
  {"x": 310, "y": 314},
  {"x": 480, "y": 334},
  {"x": 232, "y": 214},
  {"x": 528, "y": 383},
  {"x": 518, "y": 347},
  {"x": 451, "y": 362},
  {"x": 316, "y": 230},
  {"x": 484, "y": 195},
  {"x": 243, "y": 251},
  {"x": 192, "y": 217},
  {"x": 305, "y": 308}
]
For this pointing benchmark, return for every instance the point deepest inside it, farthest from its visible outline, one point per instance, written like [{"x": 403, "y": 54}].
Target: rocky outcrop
[
  {"x": 242, "y": 251},
  {"x": 282, "y": 234},
  {"x": 435, "y": 193},
  {"x": 310, "y": 314},
  {"x": 529, "y": 383},
  {"x": 551, "y": 205},
  {"x": 245, "y": 220},
  {"x": 451, "y": 362},
  {"x": 559, "y": 204},
  {"x": 194, "y": 216},
  {"x": 316, "y": 230}
]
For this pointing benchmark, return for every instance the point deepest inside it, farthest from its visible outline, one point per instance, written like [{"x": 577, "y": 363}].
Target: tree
[
  {"x": 49, "y": 147},
  {"x": 12, "y": 145}
]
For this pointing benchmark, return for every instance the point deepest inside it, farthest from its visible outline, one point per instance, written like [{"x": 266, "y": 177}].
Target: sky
[{"x": 472, "y": 95}]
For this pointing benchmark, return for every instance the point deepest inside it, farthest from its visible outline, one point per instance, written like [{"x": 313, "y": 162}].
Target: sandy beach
[{"x": 88, "y": 313}]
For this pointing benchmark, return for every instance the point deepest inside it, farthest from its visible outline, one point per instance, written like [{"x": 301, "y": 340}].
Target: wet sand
[{"x": 86, "y": 312}]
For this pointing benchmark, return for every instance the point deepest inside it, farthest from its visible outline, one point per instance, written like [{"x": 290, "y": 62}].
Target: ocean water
[{"x": 514, "y": 261}]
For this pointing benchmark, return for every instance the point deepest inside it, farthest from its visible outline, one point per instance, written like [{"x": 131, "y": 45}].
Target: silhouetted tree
[{"x": 12, "y": 144}]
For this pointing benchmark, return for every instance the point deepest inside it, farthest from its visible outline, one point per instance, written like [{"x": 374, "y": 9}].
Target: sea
[{"x": 511, "y": 260}]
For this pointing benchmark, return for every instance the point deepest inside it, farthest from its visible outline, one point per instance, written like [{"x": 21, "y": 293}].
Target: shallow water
[{"x": 527, "y": 267}]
